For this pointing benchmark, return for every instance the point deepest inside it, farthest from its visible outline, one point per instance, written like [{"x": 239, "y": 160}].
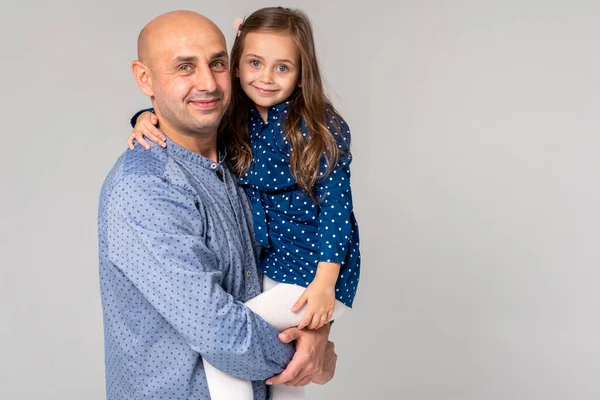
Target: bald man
[{"x": 177, "y": 259}]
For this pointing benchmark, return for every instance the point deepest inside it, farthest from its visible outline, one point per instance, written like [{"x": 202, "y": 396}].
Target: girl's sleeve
[
  {"x": 335, "y": 196},
  {"x": 137, "y": 114}
]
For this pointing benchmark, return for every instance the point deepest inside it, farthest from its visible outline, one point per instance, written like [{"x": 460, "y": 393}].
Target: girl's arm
[
  {"x": 144, "y": 127},
  {"x": 335, "y": 196},
  {"x": 336, "y": 208}
]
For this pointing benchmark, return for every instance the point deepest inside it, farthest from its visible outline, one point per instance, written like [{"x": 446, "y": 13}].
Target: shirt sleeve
[
  {"x": 335, "y": 196},
  {"x": 137, "y": 114},
  {"x": 155, "y": 238}
]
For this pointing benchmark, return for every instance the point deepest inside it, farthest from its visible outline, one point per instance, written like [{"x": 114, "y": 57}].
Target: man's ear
[{"x": 143, "y": 77}]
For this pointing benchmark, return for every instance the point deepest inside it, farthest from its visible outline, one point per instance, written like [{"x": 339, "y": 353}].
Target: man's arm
[{"x": 156, "y": 239}]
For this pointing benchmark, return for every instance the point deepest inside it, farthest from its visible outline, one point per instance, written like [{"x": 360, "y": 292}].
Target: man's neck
[{"x": 204, "y": 144}]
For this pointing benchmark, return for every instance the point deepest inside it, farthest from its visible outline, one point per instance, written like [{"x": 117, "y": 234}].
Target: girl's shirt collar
[{"x": 274, "y": 112}]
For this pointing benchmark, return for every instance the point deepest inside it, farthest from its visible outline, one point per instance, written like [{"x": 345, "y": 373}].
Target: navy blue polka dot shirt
[
  {"x": 296, "y": 232},
  {"x": 177, "y": 260}
]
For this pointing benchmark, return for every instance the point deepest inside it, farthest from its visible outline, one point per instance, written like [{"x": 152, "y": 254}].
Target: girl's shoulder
[
  {"x": 334, "y": 120},
  {"x": 338, "y": 127}
]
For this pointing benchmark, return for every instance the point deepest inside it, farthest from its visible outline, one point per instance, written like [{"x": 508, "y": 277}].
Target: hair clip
[{"x": 237, "y": 26}]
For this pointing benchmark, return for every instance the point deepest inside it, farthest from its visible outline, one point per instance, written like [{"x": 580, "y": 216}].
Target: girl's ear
[
  {"x": 299, "y": 84},
  {"x": 237, "y": 72}
]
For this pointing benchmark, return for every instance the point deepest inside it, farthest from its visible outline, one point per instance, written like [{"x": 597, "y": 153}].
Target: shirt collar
[
  {"x": 274, "y": 111},
  {"x": 177, "y": 151}
]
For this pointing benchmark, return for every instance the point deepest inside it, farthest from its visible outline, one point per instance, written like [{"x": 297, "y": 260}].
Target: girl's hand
[
  {"x": 320, "y": 297},
  {"x": 145, "y": 128}
]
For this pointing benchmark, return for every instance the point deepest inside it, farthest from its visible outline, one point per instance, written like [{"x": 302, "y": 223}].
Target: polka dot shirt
[
  {"x": 177, "y": 261},
  {"x": 297, "y": 233}
]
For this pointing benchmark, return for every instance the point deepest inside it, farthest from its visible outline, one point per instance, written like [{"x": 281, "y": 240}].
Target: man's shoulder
[
  {"x": 137, "y": 166},
  {"x": 142, "y": 162}
]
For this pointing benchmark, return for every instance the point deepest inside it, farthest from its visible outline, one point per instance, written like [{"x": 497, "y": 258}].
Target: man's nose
[{"x": 205, "y": 80}]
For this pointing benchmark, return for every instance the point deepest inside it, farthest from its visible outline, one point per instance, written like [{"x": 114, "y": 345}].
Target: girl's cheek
[{"x": 245, "y": 74}]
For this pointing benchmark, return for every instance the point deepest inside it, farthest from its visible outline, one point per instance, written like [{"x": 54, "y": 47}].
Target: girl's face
[{"x": 269, "y": 68}]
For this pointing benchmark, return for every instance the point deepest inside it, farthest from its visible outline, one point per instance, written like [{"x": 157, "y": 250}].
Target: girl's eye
[
  {"x": 255, "y": 63},
  {"x": 282, "y": 68}
]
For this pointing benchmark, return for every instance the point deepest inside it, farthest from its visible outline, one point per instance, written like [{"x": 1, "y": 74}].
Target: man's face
[{"x": 190, "y": 79}]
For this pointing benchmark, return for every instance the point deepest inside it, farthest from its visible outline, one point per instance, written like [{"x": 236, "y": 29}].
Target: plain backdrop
[{"x": 475, "y": 175}]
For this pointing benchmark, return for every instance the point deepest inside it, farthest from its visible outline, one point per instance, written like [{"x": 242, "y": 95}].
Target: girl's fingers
[
  {"x": 305, "y": 320},
  {"x": 315, "y": 321},
  {"x": 143, "y": 142},
  {"x": 130, "y": 141},
  {"x": 324, "y": 320},
  {"x": 152, "y": 133},
  {"x": 300, "y": 302},
  {"x": 156, "y": 133}
]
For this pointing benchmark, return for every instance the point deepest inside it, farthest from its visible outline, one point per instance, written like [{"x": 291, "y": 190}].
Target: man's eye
[
  {"x": 185, "y": 68},
  {"x": 218, "y": 64}
]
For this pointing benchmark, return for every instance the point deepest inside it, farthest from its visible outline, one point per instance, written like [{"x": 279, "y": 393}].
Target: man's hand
[
  {"x": 314, "y": 360},
  {"x": 328, "y": 366}
]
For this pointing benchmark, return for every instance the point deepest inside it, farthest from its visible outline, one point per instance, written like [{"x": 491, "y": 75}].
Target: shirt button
[
  {"x": 248, "y": 273},
  {"x": 213, "y": 166}
]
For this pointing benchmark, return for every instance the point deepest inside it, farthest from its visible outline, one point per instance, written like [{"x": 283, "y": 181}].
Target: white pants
[{"x": 274, "y": 304}]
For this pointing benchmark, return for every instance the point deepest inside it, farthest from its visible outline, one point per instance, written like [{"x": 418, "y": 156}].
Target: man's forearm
[{"x": 328, "y": 365}]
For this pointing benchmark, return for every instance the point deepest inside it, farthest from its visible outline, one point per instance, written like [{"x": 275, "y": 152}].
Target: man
[{"x": 177, "y": 259}]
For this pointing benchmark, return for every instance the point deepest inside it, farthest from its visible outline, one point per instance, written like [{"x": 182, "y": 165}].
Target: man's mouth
[{"x": 205, "y": 104}]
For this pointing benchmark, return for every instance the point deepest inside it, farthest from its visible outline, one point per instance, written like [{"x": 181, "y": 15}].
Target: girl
[{"x": 294, "y": 165}]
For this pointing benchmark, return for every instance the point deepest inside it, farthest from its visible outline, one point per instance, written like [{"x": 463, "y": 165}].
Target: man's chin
[
  {"x": 212, "y": 117},
  {"x": 205, "y": 124}
]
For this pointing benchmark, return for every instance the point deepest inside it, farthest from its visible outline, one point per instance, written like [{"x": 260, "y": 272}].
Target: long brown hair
[{"x": 308, "y": 103}]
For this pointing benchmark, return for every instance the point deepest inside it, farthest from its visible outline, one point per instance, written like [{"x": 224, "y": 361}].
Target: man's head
[{"x": 183, "y": 66}]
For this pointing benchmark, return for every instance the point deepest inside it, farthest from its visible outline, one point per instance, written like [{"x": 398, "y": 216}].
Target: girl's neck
[{"x": 263, "y": 111}]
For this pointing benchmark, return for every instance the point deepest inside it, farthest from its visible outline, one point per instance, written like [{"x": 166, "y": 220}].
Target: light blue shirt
[{"x": 177, "y": 259}]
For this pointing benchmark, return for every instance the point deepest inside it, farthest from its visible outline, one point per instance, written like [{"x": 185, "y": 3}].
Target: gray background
[{"x": 475, "y": 131}]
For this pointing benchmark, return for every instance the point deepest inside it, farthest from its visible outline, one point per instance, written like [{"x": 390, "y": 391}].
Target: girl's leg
[
  {"x": 274, "y": 306},
  {"x": 222, "y": 386}
]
